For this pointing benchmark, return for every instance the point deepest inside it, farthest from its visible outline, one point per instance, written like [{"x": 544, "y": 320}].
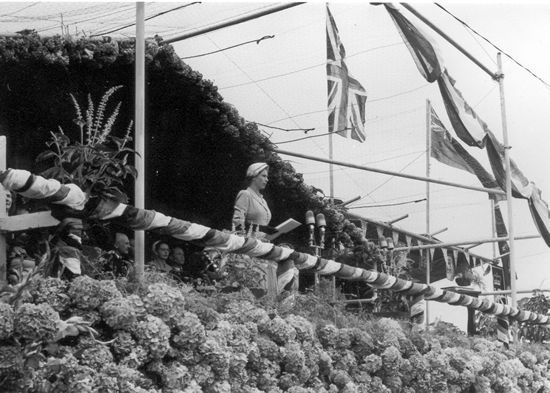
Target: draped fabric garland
[{"x": 72, "y": 197}]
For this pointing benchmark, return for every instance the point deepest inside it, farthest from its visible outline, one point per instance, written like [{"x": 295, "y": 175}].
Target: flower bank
[{"x": 106, "y": 336}]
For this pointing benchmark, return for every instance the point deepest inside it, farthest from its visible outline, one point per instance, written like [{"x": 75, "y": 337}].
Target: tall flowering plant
[{"x": 98, "y": 162}]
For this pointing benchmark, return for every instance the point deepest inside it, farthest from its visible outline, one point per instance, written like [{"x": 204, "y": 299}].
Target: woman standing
[
  {"x": 251, "y": 209},
  {"x": 250, "y": 205}
]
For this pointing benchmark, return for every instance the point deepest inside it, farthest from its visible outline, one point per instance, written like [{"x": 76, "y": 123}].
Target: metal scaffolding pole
[
  {"x": 428, "y": 153},
  {"x": 139, "y": 190},
  {"x": 232, "y": 22},
  {"x": 460, "y": 243},
  {"x": 500, "y": 78},
  {"x": 396, "y": 174}
]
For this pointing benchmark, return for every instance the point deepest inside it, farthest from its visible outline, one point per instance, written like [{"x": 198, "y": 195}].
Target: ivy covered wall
[{"x": 198, "y": 146}]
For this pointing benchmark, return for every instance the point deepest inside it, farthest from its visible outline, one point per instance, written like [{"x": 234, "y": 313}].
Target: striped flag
[{"x": 346, "y": 96}]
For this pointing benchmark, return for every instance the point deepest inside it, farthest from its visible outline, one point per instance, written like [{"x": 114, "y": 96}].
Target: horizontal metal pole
[
  {"x": 391, "y": 222},
  {"x": 450, "y": 41},
  {"x": 458, "y": 243},
  {"x": 472, "y": 246},
  {"x": 502, "y": 256},
  {"x": 24, "y": 222},
  {"x": 396, "y": 174},
  {"x": 509, "y": 291},
  {"x": 423, "y": 239},
  {"x": 351, "y": 200},
  {"x": 356, "y": 301},
  {"x": 438, "y": 232},
  {"x": 231, "y": 22}
]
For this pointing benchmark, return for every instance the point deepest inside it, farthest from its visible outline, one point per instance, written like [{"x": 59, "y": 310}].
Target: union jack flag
[{"x": 346, "y": 96}]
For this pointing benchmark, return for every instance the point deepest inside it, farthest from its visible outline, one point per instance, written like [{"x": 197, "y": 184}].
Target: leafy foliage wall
[{"x": 198, "y": 145}]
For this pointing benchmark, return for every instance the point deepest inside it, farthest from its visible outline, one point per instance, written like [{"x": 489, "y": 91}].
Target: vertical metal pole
[
  {"x": 493, "y": 227},
  {"x": 331, "y": 168},
  {"x": 508, "y": 183},
  {"x": 3, "y": 213},
  {"x": 140, "y": 134},
  {"x": 428, "y": 154}
]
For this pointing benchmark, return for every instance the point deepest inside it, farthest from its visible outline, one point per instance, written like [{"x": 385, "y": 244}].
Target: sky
[{"x": 281, "y": 82}]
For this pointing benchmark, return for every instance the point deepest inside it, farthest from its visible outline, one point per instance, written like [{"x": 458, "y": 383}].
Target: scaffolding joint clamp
[{"x": 498, "y": 76}]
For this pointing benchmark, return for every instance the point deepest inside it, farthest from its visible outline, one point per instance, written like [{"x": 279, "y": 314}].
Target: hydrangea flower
[
  {"x": 6, "y": 321},
  {"x": 153, "y": 335},
  {"x": 89, "y": 294},
  {"x": 304, "y": 329},
  {"x": 96, "y": 356},
  {"x": 217, "y": 357},
  {"x": 52, "y": 291},
  {"x": 280, "y": 331},
  {"x": 328, "y": 335},
  {"x": 35, "y": 322},
  {"x": 293, "y": 359},
  {"x": 191, "y": 332},
  {"x": 268, "y": 349},
  {"x": 165, "y": 302},
  {"x": 11, "y": 364},
  {"x": 118, "y": 313},
  {"x": 123, "y": 343}
]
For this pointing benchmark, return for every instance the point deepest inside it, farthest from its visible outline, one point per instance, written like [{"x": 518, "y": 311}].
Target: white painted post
[
  {"x": 139, "y": 197},
  {"x": 3, "y": 213}
]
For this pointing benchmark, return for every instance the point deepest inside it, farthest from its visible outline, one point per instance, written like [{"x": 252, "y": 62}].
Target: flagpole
[
  {"x": 331, "y": 168},
  {"x": 508, "y": 183},
  {"x": 428, "y": 154},
  {"x": 331, "y": 187},
  {"x": 331, "y": 181}
]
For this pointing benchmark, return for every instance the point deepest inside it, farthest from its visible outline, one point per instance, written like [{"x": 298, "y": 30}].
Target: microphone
[
  {"x": 321, "y": 223},
  {"x": 310, "y": 222}
]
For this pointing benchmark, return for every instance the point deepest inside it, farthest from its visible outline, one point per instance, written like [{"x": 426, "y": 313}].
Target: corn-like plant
[{"x": 98, "y": 162}]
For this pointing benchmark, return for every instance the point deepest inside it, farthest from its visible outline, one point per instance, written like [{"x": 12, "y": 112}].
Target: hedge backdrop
[{"x": 198, "y": 146}]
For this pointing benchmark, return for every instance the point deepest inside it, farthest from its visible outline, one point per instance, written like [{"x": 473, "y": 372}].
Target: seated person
[
  {"x": 117, "y": 261},
  {"x": 19, "y": 266},
  {"x": 161, "y": 252},
  {"x": 180, "y": 267}
]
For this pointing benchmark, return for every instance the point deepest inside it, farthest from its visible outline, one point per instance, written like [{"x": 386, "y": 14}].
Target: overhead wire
[
  {"x": 265, "y": 37},
  {"x": 330, "y": 132},
  {"x": 492, "y": 44},
  {"x": 121, "y": 10},
  {"x": 481, "y": 46},
  {"x": 485, "y": 96},
  {"x": 308, "y": 68},
  {"x": 393, "y": 176},
  {"x": 387, "y": 204},
  {"x": 305, "y": 130},
  {"x": 369, "y": 162},
  {"x": 21, "y": 9},
  {"x": 378, "y": 99},
  {"x": 312, "y": 136},
  {"x": 148, "y": 18},
  {"x": 248, "y": 11}
]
